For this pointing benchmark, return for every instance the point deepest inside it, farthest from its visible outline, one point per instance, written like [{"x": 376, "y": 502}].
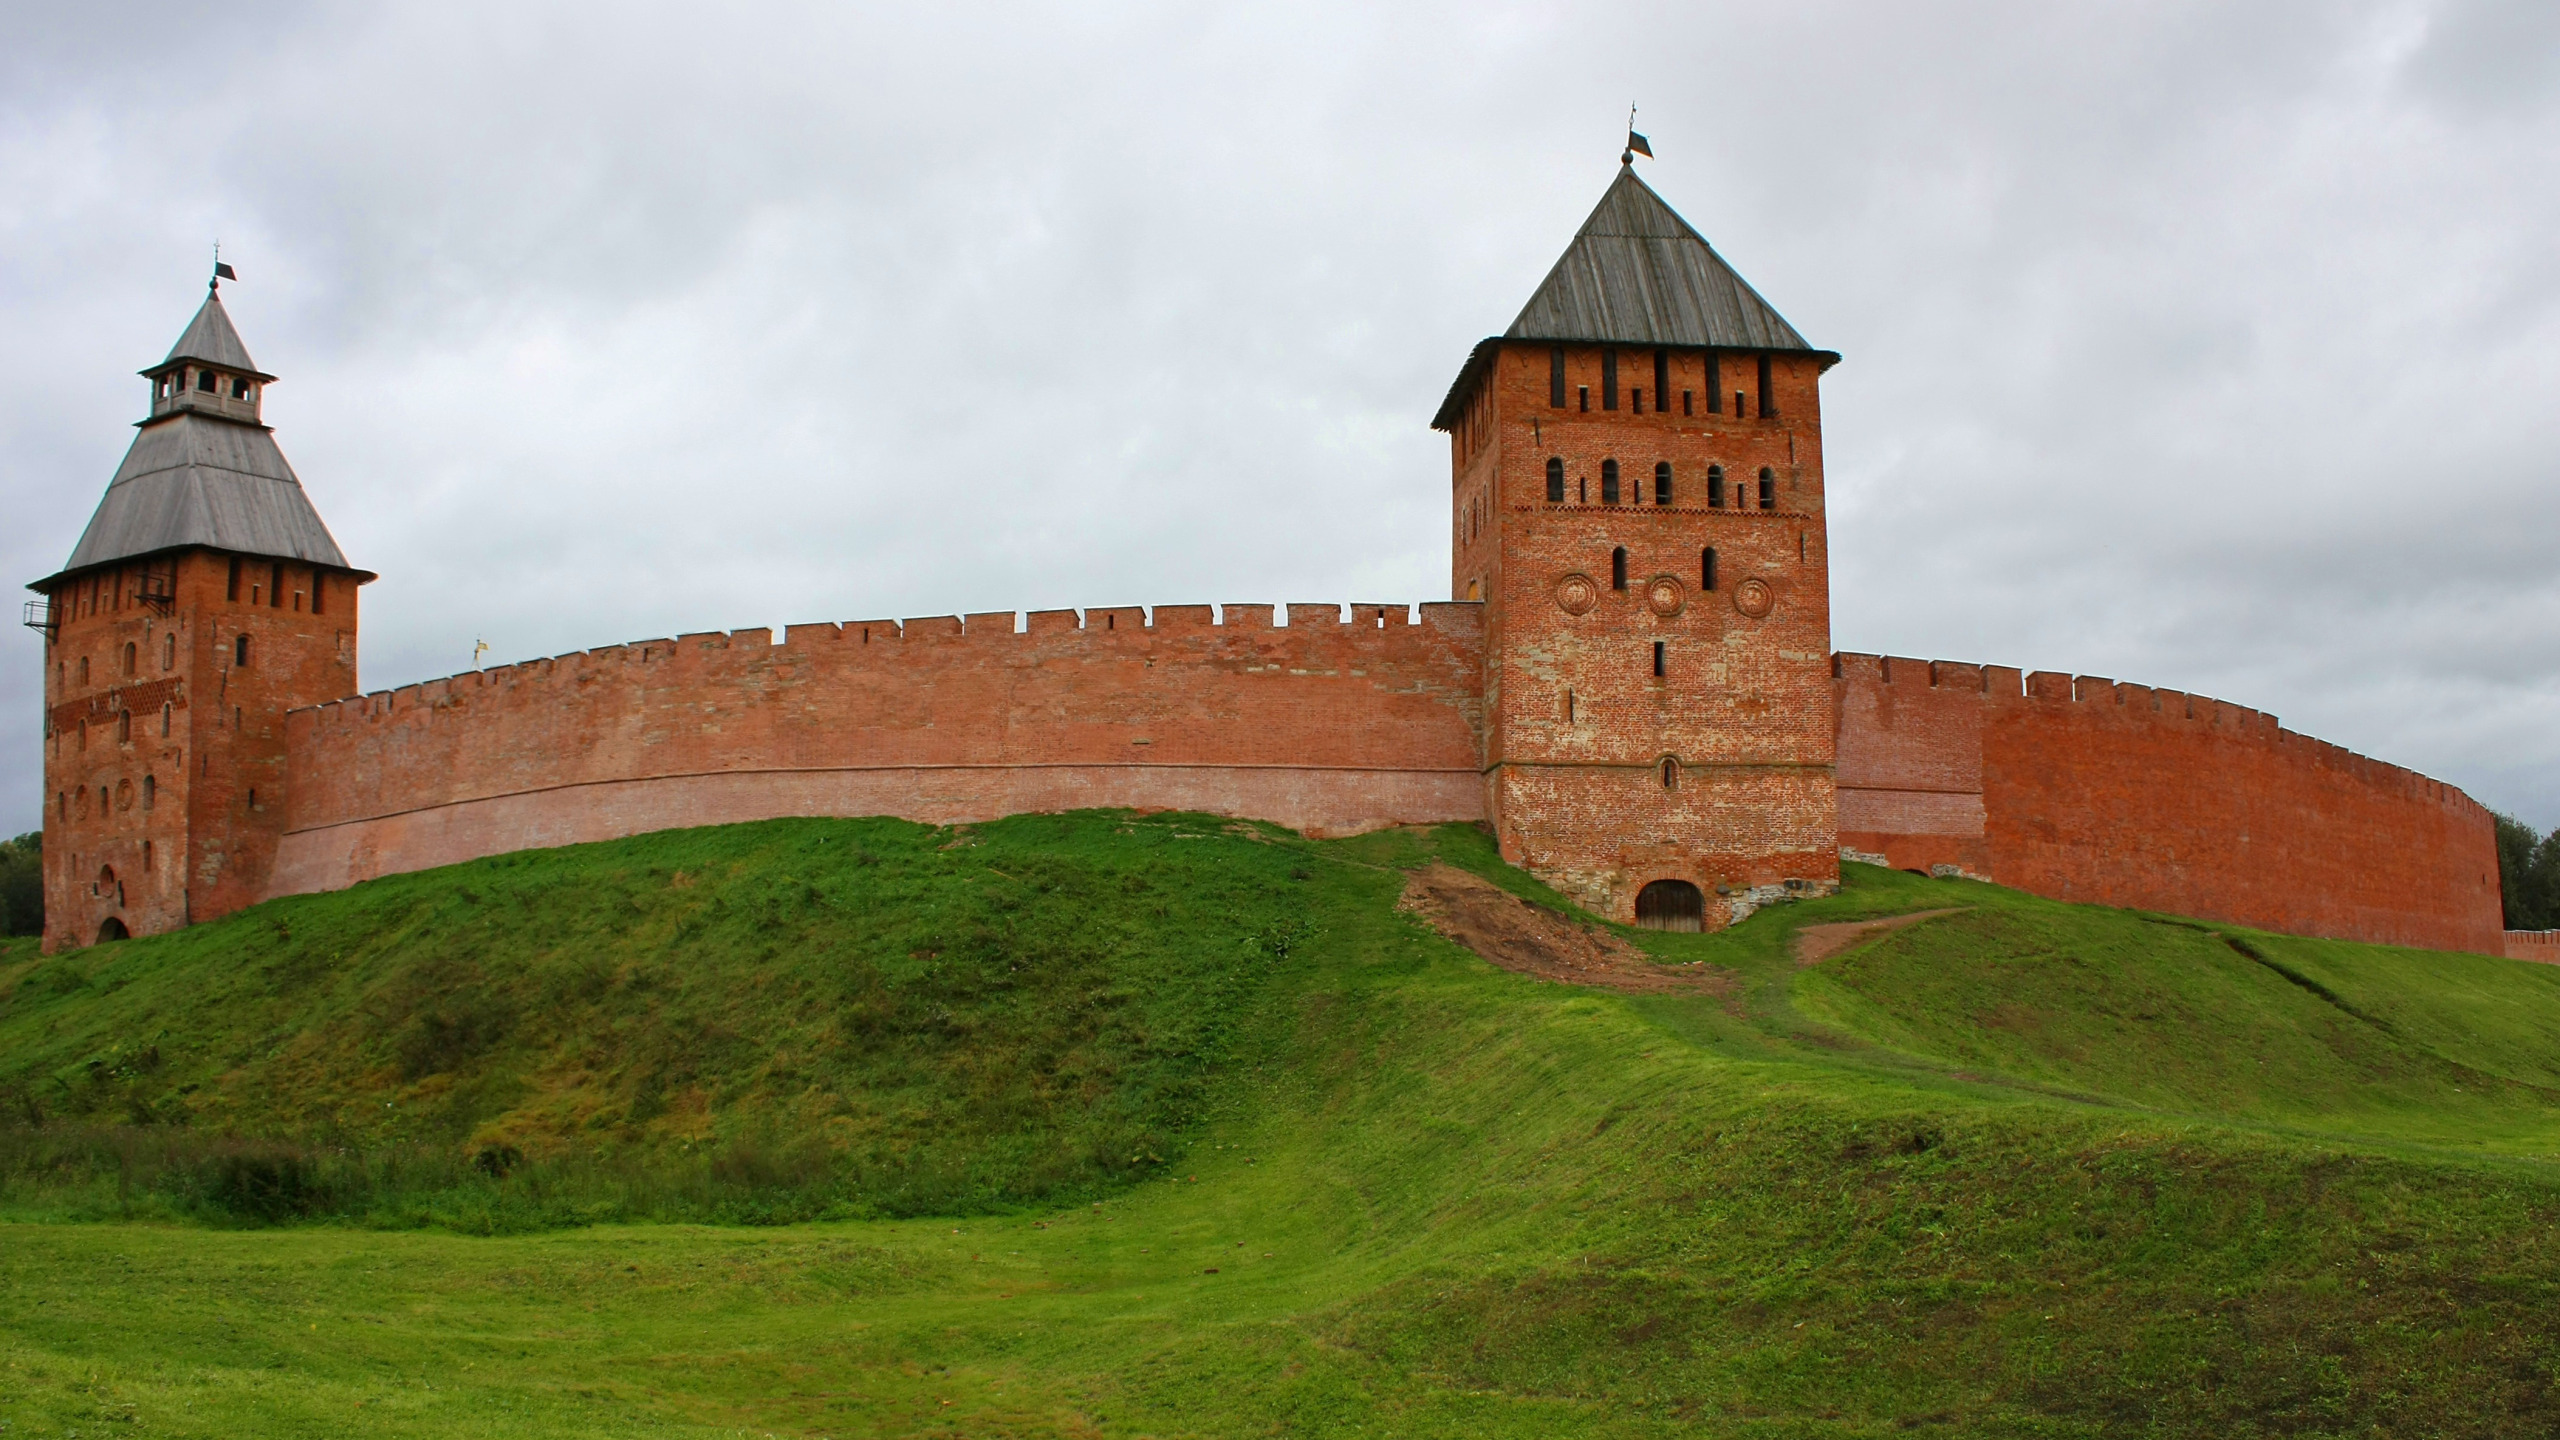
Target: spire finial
[
  {"x": 221, "y": 272},
  {"x": 1636, "y": 144}
]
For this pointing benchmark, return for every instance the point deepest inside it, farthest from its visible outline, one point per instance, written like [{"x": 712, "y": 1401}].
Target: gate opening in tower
[{"x": 1671, "y": 905}]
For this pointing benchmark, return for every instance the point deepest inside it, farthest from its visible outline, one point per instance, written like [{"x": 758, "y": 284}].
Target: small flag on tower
[
  {"x": 1636, "y": 145},
  {"x": 222, "y": 271}
]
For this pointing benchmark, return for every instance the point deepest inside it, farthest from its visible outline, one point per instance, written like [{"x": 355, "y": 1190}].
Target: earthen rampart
[
  {"x": 2084, "y": 789},
  {"x": 1324, "y": 724}
]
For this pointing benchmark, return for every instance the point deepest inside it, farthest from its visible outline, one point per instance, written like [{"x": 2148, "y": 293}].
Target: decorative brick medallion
[
  {"x": 1576, "y": 594},
  {"x": 1754, "y": 597},
  {"x": 1664, "y": 597}
]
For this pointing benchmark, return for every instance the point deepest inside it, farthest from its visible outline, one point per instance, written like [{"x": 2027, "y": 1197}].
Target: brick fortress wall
[
  {"x": 1322, "y": 725},
  {"x": 2087, "y": 790}
]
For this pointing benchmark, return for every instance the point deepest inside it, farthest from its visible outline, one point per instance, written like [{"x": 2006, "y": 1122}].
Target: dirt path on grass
[
  {"x": 1530, "y": 939},
  {"x": 1817, "y": 943}
]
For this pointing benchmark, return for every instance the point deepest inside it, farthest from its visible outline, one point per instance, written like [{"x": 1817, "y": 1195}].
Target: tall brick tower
[
  {"x": 1637, "y": 501},
  {"x": 205, "y": 599}
]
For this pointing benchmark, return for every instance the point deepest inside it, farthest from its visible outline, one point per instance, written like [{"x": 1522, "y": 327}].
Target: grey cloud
[{"x": 2204, "y": 346}]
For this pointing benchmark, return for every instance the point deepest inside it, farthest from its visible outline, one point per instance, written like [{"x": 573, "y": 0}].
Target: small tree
[
  {"x": 2529, "y": 875},
  {"x": 22, "y": 885}
]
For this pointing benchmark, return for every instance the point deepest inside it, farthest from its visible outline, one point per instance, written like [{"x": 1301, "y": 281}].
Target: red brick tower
[
  {"x": 1638, "y": 503},
  {"x": 205, "y": 599}
]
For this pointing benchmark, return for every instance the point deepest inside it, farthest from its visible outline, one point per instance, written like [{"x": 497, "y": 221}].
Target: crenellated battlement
[
  {"x": 850, "y": 641},
  {"x": 2089, "y": 788},
  {"x": 2002, "y": 685},
  {"x": 1328, "y": 718}
]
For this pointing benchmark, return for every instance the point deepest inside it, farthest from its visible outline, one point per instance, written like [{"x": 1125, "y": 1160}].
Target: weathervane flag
[{"x": 1636, "y": 145}]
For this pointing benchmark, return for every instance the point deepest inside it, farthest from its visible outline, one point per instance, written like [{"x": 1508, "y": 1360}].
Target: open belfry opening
[{"x": 1628, "y": 619}]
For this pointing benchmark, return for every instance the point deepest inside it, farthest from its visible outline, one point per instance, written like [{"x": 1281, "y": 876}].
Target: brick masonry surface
[
  {"x": 2087, "y": 790},
  {"x": 1322, "y": 724},
  {"x": 1665, "y": 716},
  {"x": 2538, "y": 945},
  {"x": 166, "y": 772}
]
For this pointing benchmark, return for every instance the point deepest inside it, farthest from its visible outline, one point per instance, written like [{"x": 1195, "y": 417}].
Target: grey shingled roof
[
  {"x": 196, "y": 479},
  {"x": 1636, "y": 274},
  {"x": 210, "y": 338}
]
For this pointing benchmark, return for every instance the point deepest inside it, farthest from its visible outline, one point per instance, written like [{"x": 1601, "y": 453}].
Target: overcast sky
[{"x": 2209, "y": 346}]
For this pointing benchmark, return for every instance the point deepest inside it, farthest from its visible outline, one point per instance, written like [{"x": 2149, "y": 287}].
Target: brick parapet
[
  {"x": 2540, "y": 946},
  {"x": 2087, "y": 788},
  {"x": 1326, "y": 723}
]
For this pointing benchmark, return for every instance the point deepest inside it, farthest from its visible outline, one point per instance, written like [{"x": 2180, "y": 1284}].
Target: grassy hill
[{"x": 1101, "y": 1125}]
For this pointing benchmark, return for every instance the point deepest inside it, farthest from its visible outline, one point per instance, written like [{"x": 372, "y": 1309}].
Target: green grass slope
[{"x": 2027, "y": 1169}]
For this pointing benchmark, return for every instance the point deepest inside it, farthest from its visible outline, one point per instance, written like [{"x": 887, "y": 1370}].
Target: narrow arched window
[
  {"x": 1555, "y": 377},
  {"x": 1768, "y": 488},
  {"x": 1715, "y": 485},
  {"x": 132, "y": 662},
  {"x": 1662, "y": 482},
  {"x": 150, "y": 791},
  {"x": 124, "y": 727},
  {"x": 205, "y": 381},
  {"x": 1670, "y": 773},
  {"x": 1555, "y": 481},
  {"x": 165, "y": 708},
  {"x": 1707, "y": 568},
  {"x": 1618, "y": 568},
  {"x": 84, "y": 669},
  {"x": 1608, "y": 482},
  {"x": 169, "y": 651},
  {"x": 240, "y": 652}
]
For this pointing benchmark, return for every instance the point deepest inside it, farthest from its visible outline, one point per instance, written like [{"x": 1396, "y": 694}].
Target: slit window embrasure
[
  {"x": 240, "y": 653},
  {"x": 1670, "y": 768},
  {"x": 232, "y": 591},
  {"x": 1661, "y": 376},
  {"x": 1707, "y": 568},
  {"x": 1555, "y": 480},
  {"x": 1584, "y": 393},
  {"x": 1688, "y": 402},
  {"x": 1715, "y": 487},
  {"x": 1662, "y": 482},
  {"x": 1618, "y": 568},
  {"x": 1657, "y": 659},
  {"x": 1768, "y": 488},
  {"x": 1768, "y": 391},
  {"x": 1608, "y": 482},
  {"x": 1555, "y": 377},
  {"x": 275, "y": 587},
  {"x": 1608, "y": 379}
]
